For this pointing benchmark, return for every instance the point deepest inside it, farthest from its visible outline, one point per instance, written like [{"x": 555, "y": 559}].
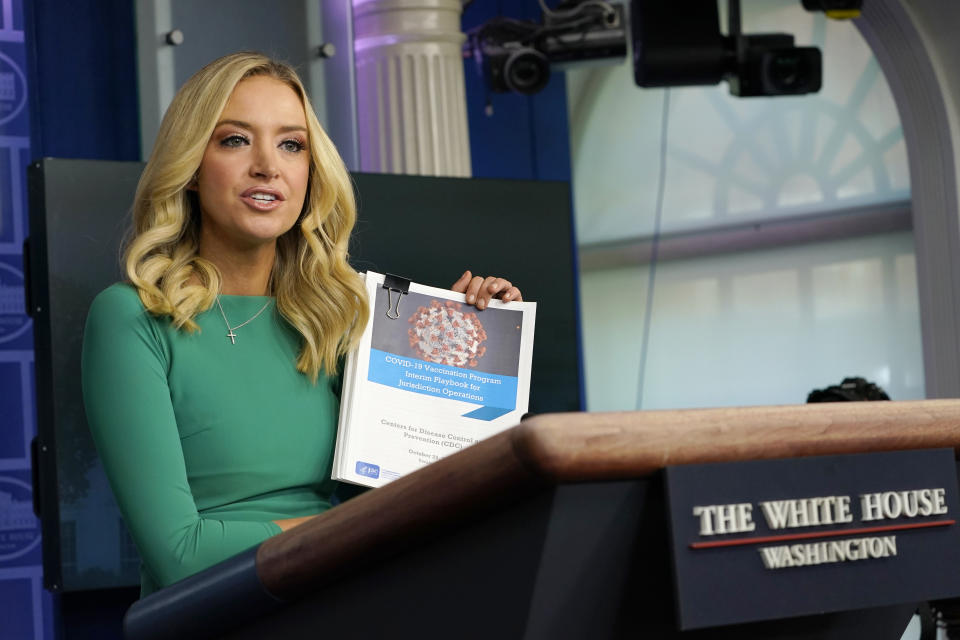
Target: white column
[{"x": 411, "y": 105}]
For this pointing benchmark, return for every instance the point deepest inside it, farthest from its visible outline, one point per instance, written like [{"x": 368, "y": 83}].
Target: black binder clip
[{"x": 395, "y": 283}]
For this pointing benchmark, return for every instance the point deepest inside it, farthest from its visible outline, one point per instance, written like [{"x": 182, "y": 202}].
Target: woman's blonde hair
[{"x": 317, "y": 291}]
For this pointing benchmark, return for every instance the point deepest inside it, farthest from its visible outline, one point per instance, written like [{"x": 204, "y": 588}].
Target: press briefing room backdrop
[{"x": 731, "y": 251}]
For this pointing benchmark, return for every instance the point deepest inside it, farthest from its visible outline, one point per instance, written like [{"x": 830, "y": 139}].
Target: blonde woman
[{"x": 210, "y": 378}]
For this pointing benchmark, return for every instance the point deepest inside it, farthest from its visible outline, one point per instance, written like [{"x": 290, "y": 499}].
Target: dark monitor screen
[{"x": 427, "y": 229}]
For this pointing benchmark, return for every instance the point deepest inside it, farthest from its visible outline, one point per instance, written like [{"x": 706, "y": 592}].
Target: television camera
[{"x": 673, "y": 43}]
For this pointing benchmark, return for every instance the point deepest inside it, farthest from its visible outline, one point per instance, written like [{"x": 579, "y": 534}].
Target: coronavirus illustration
[{"x": 445, "y": 334}]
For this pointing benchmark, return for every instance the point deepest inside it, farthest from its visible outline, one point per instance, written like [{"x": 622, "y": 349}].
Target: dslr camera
[{"x": 516, "y": 55}]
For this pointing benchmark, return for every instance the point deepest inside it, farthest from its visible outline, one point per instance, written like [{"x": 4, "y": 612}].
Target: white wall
[{"x": 765, "y": 327}]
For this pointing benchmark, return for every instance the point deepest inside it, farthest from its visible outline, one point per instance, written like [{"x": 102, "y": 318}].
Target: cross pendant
[{"x": 232, "y": 337}]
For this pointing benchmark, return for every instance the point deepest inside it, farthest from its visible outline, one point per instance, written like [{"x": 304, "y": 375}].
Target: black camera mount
[
  {"x": 516, "y": 55},
  {"x": 671, "y": 48}
]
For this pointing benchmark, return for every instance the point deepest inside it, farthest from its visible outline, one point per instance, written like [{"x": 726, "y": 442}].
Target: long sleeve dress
[{"x": 204, "y": 441}]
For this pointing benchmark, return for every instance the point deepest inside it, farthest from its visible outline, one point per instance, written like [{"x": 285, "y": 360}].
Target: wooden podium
[{"x": 555, "y": 528}]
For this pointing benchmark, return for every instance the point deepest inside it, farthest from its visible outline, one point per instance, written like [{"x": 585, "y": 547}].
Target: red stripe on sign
[{"x": 819, "y": 534}]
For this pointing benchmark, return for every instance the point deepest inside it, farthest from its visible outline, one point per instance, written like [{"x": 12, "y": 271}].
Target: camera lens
[
  {"x": 792, "y": 71},
  {"x": 526, "y": 71},
  {"x": 787, "y": 71}
]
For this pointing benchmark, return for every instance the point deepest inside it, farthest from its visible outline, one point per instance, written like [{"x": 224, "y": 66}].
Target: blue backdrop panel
[
  {"x": 19, "y": 528},
  {"x": 6, "y": 195},
  {"x": 550, "y": 130},
  {"x": 14, "y": 323},
  {"x": 25, "y": 609},
  {"x": 524, "y": 137},
  {"x": 17, "y": 597},
  {"x": 11, "y": 411},
  {"x": 13, "y": 88},
  {"x": 84, "y": 101},
  {"x": 14, "y": 153}
]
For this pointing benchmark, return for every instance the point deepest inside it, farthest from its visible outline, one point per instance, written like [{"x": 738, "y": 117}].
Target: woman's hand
[{"x": 480, "y": 290}]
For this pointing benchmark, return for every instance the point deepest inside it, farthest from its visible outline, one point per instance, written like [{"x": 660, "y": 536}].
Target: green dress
[{"x": 204, "y": 441}]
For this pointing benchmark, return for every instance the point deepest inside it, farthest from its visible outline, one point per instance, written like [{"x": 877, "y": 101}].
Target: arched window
[{"x": 811, "y": 193}]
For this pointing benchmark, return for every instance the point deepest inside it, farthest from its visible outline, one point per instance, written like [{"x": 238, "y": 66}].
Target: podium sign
[{"x": 773, "y": 539}]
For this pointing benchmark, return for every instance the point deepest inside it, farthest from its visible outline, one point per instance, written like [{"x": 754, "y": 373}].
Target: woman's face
[{"x": 254, "y": 174}]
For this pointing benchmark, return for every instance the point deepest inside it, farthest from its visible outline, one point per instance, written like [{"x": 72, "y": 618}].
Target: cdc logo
[
  {"x": 13, "y": 89},
  {"x": 368, "y": 470},
  {"x": 19, "y": 528}
]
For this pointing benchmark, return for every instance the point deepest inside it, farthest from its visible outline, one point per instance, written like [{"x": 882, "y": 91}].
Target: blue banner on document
[{"x": 496, "y": 395}]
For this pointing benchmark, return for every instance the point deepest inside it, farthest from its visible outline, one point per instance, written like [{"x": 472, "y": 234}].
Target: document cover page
[{"x": 432, "y": 375}]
